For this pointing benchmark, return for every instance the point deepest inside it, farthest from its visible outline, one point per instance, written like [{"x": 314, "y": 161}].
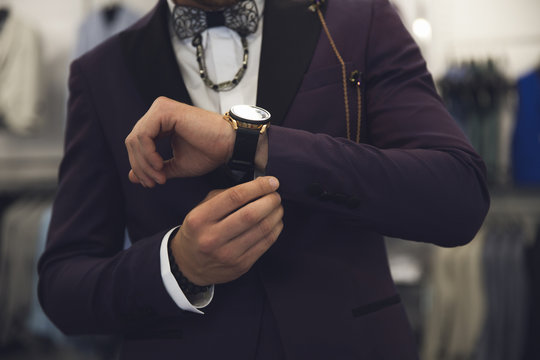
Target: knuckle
[
  {"x": 250, "y": 216},
  {"x": 193, "y": 221},
  {"x": 131, "y": 142},
  {"x": 206, "y": 245},
  {"x": 265, "y": 227},
  {"x": 279, "y": 229},
  {"x": 243, "y": 266},
  {"x": 159, "y": 101},
  {"x": 141, "y": 136},
  {"x": 271, "y": 238},
  {"x": 274, "y": 234},
  {"x": 205, "y": 248},
  {"x": 236, "y": 196},
  {"x": 281, "y": 212}
]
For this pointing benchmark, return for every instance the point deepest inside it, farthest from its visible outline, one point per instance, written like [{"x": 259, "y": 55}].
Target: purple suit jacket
[{"x": 324, "y": 289}]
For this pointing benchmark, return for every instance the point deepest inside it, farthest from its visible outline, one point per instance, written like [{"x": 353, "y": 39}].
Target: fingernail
[{"x": 274, "y": 183}]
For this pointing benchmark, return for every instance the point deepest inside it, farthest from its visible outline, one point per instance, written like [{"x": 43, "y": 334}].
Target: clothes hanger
[
  {"x": 4, "y": 14},
  {"x": 110, "y": 11}
]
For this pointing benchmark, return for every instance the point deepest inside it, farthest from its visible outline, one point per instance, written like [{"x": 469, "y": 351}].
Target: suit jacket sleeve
[
  {"x": 88, "y": 282},
  {"x": 418, "y": 178}
]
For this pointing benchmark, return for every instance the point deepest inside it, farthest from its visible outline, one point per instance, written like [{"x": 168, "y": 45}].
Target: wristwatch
[{"x": 249, "y": 122}]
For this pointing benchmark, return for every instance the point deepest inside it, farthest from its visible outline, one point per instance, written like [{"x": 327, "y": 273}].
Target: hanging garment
[
  {"x": 507, "y": 119},
  {"x": 532, "y": 348},
  {"x": 20, "y": 76},
  {"x": 20, "y": 226},
  {"x": 526, "y": 145},
  {"x": 477, "y": 95},
  {"x": 102, "y": 24},
  {"x": 4, "y": 13},
  {"x": 23, "y": 231},
  {"x": 37, "y": 322},
  {"x": 503, "y": 336},
  {"x": 456, "y": 314}
]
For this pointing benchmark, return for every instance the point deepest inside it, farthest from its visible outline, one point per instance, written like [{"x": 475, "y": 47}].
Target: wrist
[
  {"x": 231, "y": 139},
  {"x": 188, "y": 287}
]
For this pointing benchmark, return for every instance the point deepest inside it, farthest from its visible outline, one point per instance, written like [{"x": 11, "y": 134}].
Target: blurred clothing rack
[{"x": 524, "y": 40}]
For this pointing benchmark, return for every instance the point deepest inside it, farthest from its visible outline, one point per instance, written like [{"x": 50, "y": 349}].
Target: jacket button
[
  {"x": 316, "y": 190},
  {"x": 325, "y": 196}
]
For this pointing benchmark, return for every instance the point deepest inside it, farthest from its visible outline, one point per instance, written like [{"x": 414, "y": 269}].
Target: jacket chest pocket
[{"x": 321, "y": 105}]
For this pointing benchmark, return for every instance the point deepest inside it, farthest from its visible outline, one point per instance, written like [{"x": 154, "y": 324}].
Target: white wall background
[{"x": 506, "y": 30}]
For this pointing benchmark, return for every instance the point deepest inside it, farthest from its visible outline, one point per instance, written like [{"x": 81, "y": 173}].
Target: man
[{"x": 291, "y": 264}]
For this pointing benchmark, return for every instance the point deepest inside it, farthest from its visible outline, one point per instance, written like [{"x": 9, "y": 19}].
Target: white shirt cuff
[{"x": 172, "y": 286}]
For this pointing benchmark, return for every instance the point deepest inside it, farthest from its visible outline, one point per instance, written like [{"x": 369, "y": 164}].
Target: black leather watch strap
[{"x": 242, "y": 163}]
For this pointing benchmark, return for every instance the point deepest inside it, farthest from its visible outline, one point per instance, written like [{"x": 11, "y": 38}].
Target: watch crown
[{"x": 231, "y": 121}]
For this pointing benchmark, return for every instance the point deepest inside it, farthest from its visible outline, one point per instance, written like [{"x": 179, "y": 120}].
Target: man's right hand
[{"x": 223, "y": 236}]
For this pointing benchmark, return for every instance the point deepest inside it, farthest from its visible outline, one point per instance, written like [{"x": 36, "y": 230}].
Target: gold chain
[
  {"x": 359, "y": 119},
  {"x": 316, "y": 7},
  {"x": 343, "y": 70}
]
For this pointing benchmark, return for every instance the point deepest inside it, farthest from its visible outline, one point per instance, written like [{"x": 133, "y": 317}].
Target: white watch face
[{"x": 249, "y": 113}]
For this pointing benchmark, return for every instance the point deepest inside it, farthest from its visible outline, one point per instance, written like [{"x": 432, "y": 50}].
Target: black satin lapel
[
  {"x": 290, "y": 35},
  {"x": 151, "y": 59}
]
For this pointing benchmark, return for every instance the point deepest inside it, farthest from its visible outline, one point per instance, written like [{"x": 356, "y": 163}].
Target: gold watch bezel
[{"x": 236, "y": 124}]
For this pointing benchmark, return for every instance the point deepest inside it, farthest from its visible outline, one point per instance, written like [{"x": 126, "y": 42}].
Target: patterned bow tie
[{"x": 243, "y": 18}]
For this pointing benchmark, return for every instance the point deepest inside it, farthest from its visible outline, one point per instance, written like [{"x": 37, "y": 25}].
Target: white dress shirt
[{"x": 223, "y": 55}]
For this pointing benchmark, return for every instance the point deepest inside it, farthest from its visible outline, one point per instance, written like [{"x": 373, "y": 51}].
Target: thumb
[{"x": 171, "y": 169}]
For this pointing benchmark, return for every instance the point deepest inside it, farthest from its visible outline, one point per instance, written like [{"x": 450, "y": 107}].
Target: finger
[
  {"x": 144, "y": 166},
  {"x": 171, "y": 169},
  {"x": 147, "y": 153},
  {"x": 145, "y": 161},
  {"x": 249, "y": 216},
  {"x": 133, "y": 178},
  {"x": 137, "y": 173},
  {"x": 233, "y": 198},
  {"x": 212, "y": 194},
  {"x": 262, "y": 231},
  {"x": 246, "y": 261}
]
